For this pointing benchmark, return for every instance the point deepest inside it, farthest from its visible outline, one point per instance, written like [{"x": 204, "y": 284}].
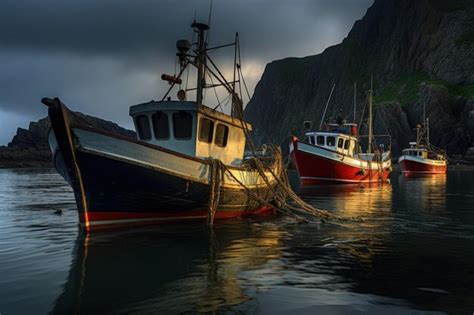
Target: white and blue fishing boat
[{"x": 186, "y": 163}]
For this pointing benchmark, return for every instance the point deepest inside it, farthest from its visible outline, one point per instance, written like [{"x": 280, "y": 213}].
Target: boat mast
[
  {"x": 234, "y": 100},
  {"x": 201, "y": 59},
  {"x": 427, "y": 132},
  {"x": 355, "y": 100},
  {"x": 327, "y": 104},
  {"x": 426, "y": 123},
  {"x": 369, "y": 149}
]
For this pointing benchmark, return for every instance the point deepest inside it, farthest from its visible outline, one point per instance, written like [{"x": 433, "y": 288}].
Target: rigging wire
[
  {"x": 224, "y": 102},
  {"x": 215, "y": 91},
  {"x": 208, "y": 34},
  {"x": 187, "y": 70},
  {"x": 245, "y": 85},
  {"x": 239, "y": 65}
]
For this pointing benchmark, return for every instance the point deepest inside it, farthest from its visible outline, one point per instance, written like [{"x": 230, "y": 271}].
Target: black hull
[{"x": 112, "y": 192}]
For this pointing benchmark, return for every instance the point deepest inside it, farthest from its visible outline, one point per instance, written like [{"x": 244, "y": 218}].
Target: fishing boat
[
  {"x": 187, "y": 162},
  {"x": 422, "y": 157},
  {"x": 333, "y": 155}
]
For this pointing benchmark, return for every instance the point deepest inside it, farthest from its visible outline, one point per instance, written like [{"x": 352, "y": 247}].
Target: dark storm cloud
[
  {"x": 146, "y": 27},
  {"x": 101, "y": 56}
]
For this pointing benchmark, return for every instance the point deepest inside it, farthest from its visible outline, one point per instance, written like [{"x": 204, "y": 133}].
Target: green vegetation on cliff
[{"x": 405, "y": 88}]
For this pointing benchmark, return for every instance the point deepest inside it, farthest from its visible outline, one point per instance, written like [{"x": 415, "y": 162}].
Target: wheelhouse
[
  {"x": 339, "y": 142},
  {"x": 190, "y": 129},
  {"x": 419, "y": 152}
]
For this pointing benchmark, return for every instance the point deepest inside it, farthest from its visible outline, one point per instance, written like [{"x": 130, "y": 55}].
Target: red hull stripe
[
  {"x": 314, "y": 169},
  {"x": 103, "y": 219},
  {"x": 409, "y": 167}
]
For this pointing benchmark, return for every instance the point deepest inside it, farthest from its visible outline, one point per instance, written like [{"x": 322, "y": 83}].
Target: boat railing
[{"x": 382, "y": 140}]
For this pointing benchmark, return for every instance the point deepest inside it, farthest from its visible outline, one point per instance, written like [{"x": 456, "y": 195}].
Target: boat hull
[
  {"x": 119, "y": 181},
  {"x": 415, "y": 165},
  {"x": 319, "y": 166},
  {"x": 120, "y": 193}
]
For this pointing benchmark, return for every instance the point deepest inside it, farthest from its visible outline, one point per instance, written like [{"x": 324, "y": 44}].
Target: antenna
[
  {"x": 210, "y": 14},
  {"x": 327, "y": 103},
  {"x": 208, "y": 37}
]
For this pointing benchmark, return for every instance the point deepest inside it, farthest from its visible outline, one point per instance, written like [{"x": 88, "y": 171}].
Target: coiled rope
[{"x": 281, "y": 197}]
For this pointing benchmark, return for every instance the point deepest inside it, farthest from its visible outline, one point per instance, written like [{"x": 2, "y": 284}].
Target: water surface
[{"x": 413, "y": 252}]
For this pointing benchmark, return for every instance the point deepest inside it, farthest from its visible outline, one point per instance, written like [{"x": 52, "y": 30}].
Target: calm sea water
[{"x": 413, "y": 252}]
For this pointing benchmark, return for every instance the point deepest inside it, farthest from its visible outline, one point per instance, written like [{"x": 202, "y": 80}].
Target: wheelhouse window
[
  {"x": 330, "y": 141},
  {"x": 182, "y": 125},
  {"x": 346, "y": 144},
  {"x": 320, "y": 140},
  {"x": 143, "y": 127},
  {"x": 340, "y": 143},
  {"x": 161, "y": 126},
  {"x": 206, "y": 130},
  {"x": 222, "y": 133}
]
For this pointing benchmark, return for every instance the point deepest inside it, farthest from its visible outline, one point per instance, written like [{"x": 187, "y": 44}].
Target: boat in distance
[
  {"x": 186, "y": 163},
  {"x": 332, "y": 155},
  {"x": 422, "y": 158}
]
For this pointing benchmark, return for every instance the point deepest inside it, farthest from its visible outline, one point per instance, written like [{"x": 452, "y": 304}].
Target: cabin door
[{"x": 346, "y": 149}]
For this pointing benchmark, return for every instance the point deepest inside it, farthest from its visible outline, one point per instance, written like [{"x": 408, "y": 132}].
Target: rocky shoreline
[{"x": 29, "y": 147}]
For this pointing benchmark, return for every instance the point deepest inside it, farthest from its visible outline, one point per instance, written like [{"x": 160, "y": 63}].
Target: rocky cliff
[
  {"x": 420, "y": 53},
  {"x": 29, "y": 147}
]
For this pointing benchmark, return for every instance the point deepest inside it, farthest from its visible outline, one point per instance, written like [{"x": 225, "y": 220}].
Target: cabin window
[
  {"x": 222, "y": 132},
  {"x": 331, "y": 141},
  {"x": 320, "y": 140},
  {"x": 206, "y": 130},
  {"x": 346, "y": 144},
  {"x": 182, "y": 125},
  {"x": 340, "y": 143},
  {"x": 143, "y": 127},
  {"x": 161, "y": 125}
]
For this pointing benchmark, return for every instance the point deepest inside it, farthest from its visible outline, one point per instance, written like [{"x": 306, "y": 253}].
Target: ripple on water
[{"x": 412, "y": 252}]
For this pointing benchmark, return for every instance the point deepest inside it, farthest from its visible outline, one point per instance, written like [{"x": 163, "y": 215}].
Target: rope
[
  {"x": 214, "y": 191},
  {"x": 279, "y": 195},
  {"x": 282, "y": 190}
]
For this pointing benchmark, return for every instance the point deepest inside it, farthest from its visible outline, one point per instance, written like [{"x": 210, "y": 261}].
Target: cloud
[{"x": 103, "y": 56}]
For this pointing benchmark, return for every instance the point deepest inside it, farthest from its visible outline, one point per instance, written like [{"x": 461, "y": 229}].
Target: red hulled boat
[
  {"x": 333, "y": 155},
  {"x": 422, "y": 157}
]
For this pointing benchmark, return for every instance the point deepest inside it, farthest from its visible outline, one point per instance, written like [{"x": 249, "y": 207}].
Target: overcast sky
[{"x": 101, "y": 56}]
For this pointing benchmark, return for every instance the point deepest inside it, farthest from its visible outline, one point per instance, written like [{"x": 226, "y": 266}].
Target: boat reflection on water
[
  {"x": 422, "y": 193},
  {"x": 177, "y": 269},
  {"x": 411, "y": 251},
  {"x": 369, "y": 204},
  {"x": 406, "y": 248}
]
